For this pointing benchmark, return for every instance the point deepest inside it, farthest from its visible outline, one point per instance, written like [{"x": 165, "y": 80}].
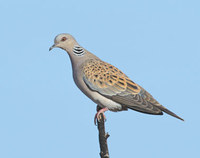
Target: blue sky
[{"x": 43, "y": 114}]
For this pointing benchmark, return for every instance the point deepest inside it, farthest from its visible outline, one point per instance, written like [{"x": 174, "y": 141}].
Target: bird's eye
[{"x": 64, "y": 39}]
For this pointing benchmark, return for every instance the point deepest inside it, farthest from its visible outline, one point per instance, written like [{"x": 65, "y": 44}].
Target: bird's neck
[{"x": 78, "y": 55}]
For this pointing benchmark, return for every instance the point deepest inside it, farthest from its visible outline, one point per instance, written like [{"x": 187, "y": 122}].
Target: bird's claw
[{"x": 98, "y": 116}]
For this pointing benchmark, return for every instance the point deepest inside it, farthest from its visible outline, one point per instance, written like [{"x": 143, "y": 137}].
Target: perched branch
[{"x": 103, "y": 136}]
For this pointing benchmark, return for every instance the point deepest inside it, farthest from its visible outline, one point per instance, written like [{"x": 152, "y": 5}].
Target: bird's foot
[{"x": 98, "y": 116}]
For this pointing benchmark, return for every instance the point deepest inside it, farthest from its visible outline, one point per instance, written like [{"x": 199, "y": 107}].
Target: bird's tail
[{"x": 169, "y": 112}]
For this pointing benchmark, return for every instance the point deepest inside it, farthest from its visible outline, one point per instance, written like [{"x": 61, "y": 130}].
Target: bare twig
[{"x": 103, "y": 136}]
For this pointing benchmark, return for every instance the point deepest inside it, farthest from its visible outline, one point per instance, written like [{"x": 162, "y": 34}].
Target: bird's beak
[{"x": 53, "y": 46}]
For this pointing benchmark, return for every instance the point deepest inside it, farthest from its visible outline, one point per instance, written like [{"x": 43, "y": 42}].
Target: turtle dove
[{"x": 105, "y": 84}]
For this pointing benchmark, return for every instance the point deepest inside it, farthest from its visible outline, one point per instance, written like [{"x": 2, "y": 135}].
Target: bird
[{"x": 105, "y": 84}]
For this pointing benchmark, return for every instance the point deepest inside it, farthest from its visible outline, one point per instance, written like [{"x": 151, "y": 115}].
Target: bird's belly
[
  {"x": 96, "y": 97},
  {"x": 105, "y": 102}
]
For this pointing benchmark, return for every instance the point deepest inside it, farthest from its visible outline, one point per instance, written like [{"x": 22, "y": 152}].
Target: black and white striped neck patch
[{"x": 77, "y": 50}]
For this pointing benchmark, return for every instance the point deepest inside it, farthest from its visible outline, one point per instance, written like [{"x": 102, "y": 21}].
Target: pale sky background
[{"x": 44, "y": 115}]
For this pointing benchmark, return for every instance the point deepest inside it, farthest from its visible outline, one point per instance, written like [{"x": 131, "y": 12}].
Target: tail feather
[{"x": 169, "y": 112}]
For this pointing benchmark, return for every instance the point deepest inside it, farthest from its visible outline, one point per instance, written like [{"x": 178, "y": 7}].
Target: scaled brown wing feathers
[{"x": 113, "y": 84}]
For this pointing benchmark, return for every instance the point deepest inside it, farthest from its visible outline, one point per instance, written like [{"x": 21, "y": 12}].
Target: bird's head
[{"x": 64, "y": 41}]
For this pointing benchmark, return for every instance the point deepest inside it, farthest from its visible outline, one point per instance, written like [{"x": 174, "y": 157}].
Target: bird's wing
[{"x": 114, "y": 84}]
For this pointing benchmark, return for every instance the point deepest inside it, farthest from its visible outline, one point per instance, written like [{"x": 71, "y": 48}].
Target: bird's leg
[{"x": 99, "y": 111}]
